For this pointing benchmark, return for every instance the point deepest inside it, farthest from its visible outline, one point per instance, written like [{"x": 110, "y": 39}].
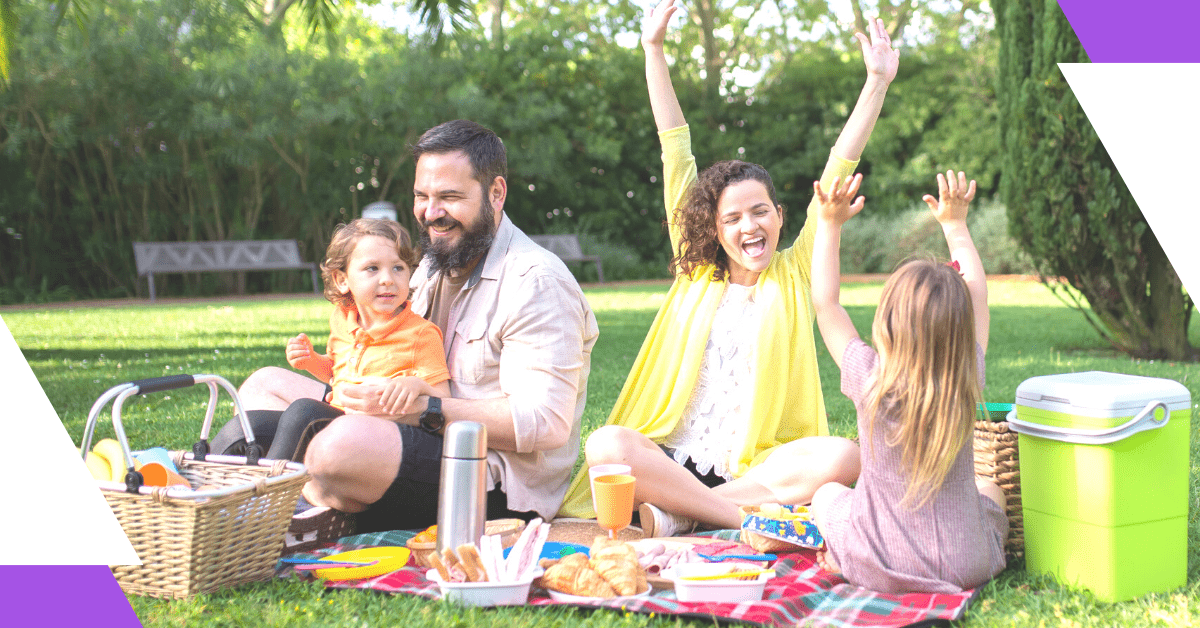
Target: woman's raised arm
[
  {"x": 881, "y": 61},
  {"x": 663, "y": 102}
]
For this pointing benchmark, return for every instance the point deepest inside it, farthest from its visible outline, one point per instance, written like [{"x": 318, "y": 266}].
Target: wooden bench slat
[
  {"x": 219, "y": 256},
  {"x": 568, "y": 249}
]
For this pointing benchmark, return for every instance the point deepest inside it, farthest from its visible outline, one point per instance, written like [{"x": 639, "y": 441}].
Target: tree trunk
[
  {"x": 706, "y": 14},
  {"x": 497, "y": 24},
  {"x": 1170, "y": 309}
]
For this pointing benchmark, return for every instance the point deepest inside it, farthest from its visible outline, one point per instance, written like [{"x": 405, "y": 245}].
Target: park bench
[
  {"x": 567, "y": 248},
  {"x": 219, "y": 256}
]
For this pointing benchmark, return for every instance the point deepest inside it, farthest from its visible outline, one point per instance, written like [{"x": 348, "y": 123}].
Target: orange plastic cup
[
  {"x": 613, "y": 496},
  {"x": 155, "y": 474}
]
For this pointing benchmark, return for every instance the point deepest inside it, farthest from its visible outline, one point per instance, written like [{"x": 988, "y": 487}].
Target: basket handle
[
  {"x": 159, "y": 384},
  {"x": 119, "y": 393}
]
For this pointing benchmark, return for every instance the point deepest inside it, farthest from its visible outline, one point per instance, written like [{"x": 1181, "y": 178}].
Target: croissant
[
  {"x": 573, "y": 575},
  {"x": 602, "y": 548},
  {"x": 617, "y": 563}
]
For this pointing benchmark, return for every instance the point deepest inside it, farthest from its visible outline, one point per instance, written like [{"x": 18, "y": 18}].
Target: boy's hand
[
  {"x": 881, "y": 59},
  {"x": 954, "y": 197},
  {"x": 357, "y": 398},
  {"x": 400, "y": 395},
  {"x": 835, "y": 207},
  {"x": 654, "y": 25},
  {"x": 300, "y": 352}
]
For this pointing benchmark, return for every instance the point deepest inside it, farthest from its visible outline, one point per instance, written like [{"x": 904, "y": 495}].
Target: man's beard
[{"x": 471, "y": 245}]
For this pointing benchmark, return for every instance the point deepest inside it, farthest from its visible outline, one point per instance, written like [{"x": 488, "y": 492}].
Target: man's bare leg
[
  {"x": 352, "y": 461},
  {"x": 270, "y": 388},
  {"x": 275, "y": 388}
]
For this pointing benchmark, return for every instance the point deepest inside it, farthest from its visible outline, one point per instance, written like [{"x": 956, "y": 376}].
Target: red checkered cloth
[{"x": 799, "y": 594}]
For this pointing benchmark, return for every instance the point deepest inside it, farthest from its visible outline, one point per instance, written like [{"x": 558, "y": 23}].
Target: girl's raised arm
[
  {"x": 881, "y": 61},
  {"x": 663, "y": 102},
  {"x": 832, "y": 211},
  {"x": 950, "y": 209}
]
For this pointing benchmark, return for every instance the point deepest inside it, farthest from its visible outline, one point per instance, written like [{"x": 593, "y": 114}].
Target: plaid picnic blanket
[{"x": 800, "y": 594}]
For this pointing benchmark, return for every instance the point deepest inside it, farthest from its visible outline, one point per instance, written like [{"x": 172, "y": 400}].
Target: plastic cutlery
[
  {"x": 718, "y": 558},
  {"x": 330, "y": 565},
  {"x": 734, "y": 575}
]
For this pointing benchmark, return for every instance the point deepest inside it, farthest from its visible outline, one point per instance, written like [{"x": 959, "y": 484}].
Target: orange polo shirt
[{"x": 407, "y": 345}]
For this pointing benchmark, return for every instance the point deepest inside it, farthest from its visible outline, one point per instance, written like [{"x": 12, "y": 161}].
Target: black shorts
[
  {"x": 710, "y": 479},
  {"x": 410, "y": 503}
]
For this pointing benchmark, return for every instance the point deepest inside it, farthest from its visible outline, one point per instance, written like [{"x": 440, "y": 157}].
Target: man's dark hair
[{"x": 481, "y": 145}]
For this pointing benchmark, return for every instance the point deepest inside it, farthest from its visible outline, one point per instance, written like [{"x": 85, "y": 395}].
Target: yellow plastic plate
[{"x": 389, "y": 559}]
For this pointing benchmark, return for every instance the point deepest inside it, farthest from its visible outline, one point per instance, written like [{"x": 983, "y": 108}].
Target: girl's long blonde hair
[{"x": 928, "y": 377}]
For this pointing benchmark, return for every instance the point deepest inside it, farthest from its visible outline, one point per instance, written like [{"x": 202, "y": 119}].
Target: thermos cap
[{"x": 465, "y": 439}]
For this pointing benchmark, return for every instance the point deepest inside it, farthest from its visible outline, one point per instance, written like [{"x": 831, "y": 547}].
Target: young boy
[{"x": 374, "y": 335}]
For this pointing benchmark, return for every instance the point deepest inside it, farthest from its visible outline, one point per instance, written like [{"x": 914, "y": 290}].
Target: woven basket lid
[{"x": 584, "y": 531}]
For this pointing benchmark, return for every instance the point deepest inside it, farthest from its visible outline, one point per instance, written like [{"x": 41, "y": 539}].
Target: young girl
[
  {"x": 917, "y": 520},
  {"x": 374, "y": 335},
  {"x": 723, "y": 405}
]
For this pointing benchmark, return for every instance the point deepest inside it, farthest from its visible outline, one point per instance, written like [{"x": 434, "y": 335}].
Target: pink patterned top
[{"x": 954, "y": 541}]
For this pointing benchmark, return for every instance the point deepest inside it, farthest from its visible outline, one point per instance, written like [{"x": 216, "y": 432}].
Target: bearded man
[{"x": 518, "y": 335}]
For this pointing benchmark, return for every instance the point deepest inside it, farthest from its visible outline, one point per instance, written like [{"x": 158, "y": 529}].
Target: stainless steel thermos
[{"x": 462, "y": 496}]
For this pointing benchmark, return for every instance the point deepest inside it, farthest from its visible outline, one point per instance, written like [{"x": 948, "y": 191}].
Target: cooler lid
[{"x": 1100, "y": 394}]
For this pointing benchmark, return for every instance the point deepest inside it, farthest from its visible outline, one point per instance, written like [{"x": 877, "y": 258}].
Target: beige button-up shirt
[{"x": 520, "y": 328}]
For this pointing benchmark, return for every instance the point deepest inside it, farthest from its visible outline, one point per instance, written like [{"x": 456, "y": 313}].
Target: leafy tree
[
  {"x": 8, "y": 27},
  {"x": 940, "y": 18},
  {"x": 1067, "y": 205},
  {"x": 319, "y": 15},
  {"x": 187, "y": 119}
]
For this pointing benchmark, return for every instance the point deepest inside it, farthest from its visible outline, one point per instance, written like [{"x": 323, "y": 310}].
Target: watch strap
[{"x": 432, "y": 420}]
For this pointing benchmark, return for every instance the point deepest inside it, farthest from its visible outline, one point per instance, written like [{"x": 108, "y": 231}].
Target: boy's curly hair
[
  {"x": 697, "y": 218},
  {"x": 346, "y": 237}
]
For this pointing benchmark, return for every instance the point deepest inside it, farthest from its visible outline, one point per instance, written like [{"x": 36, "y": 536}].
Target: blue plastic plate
[{"x": 554, "y": 551}]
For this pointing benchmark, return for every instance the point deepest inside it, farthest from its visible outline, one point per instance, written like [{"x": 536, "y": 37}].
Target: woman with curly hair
[{"x": 723, "y": 406}]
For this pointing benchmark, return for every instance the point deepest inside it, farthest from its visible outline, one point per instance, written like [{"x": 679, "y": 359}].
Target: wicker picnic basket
[
  {"x": 229, "y": 532},
  {"x": 996, "y": 460}
]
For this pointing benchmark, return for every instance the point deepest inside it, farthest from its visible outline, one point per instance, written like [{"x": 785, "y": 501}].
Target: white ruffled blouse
[{"x": 720, "y": 405}]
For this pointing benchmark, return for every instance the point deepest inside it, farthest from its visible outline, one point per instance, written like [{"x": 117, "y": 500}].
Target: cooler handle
[{"x": 1142, "y": 422}]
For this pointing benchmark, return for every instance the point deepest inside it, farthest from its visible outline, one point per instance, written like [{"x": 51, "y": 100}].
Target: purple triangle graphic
[
  {"x": 76, "y": 595},
  {"x": 1119, "y": 31}
]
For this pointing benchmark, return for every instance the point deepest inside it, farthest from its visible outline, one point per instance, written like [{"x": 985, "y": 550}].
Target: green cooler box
[{"x": 1104, "y": 480}]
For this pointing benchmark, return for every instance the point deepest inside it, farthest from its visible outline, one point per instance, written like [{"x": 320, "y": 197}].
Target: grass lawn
[{"x": 79, "y": 352}]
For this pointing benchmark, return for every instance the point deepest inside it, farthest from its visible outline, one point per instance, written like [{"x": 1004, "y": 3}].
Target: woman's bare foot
[{"x": 825, "y": 562}]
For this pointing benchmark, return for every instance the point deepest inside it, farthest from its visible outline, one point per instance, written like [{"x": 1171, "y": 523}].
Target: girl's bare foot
[{"x": 825, "y": 562}]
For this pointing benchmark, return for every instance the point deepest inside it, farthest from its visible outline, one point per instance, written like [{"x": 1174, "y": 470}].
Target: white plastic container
[
  {"x": 485, "y": 593},
  {"x": 723, "y": 590}
]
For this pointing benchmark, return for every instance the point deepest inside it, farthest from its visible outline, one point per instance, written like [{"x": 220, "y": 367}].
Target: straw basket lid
[
  {"x": 584, "y": 532},
  {"x": 508, "y": 529}
]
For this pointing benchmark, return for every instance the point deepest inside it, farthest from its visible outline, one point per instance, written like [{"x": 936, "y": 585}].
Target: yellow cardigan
[{"x": 787, "y": 396}]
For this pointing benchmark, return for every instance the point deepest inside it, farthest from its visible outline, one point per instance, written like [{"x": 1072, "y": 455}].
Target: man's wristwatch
[{"x": 432, "y": 419}]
